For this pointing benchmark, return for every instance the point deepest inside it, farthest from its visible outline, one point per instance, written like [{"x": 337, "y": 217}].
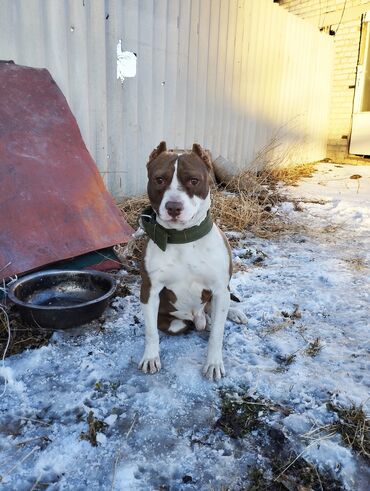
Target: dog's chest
[{"x": 189, "y": 269}]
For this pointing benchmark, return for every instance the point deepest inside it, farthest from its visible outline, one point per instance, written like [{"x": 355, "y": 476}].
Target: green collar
[{"x": 163, "y": 236}]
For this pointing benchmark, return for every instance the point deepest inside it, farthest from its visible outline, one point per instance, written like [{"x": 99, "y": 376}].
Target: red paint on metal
[
  {"x": 53, "y": 202},
  {"x": 107, "y": 265}
]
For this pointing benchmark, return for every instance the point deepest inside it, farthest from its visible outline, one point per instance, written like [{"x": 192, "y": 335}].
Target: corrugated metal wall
[{"x": 233, "y": 75}]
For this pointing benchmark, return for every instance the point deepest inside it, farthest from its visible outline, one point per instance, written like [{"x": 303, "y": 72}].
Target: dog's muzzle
[{"x": 174, "y": 208}]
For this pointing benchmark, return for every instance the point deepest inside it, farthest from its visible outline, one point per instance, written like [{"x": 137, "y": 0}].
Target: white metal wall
[{"x": 232, "y": 75}]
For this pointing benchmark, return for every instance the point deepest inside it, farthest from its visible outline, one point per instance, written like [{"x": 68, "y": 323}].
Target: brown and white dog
[{"x": 186, "y": 281}]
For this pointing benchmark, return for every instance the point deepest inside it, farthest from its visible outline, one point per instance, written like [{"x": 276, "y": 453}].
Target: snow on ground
[{"x": 160, "y": 429}]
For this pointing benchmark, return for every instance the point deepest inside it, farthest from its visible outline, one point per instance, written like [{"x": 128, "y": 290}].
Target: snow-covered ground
[{"x": 160, "y": 429}]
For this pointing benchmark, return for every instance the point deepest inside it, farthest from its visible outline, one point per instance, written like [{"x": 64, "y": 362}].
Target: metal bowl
[{"x": 62, "y": 299}]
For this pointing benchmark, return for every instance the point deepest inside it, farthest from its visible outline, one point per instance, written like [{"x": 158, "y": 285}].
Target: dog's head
[{"x": 178, "y": 186}]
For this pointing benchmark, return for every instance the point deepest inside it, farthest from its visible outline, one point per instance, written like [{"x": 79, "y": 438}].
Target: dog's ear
[
  {"x": 162, "y": 147},
  {"x": 198, "y": 150}
]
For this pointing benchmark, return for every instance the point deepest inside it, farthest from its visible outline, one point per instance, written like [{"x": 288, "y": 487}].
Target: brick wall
[{"x": 327, "y": 14}]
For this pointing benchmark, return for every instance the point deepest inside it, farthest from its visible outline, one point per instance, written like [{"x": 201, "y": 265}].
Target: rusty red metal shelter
[{"x": 53, "y": 202}]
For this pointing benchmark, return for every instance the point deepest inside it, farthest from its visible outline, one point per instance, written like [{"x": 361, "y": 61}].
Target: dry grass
[
  {"x": 131, "y": 208},
  {"x": 284, "y": 362},
  {"x": 239, "y": 266},
  {"x": 131, "y": 253},
  {"x": 289, "y": 319},
  {"x": 314, "y": 348},
  {"x": 352, "y": 424},
  {"x": 243, "y": 204},
  {"x": 235, "y": 207},
  {"x": 332, "y": 228},
  {"x": 354, "y": 427},
  {"x": 273, "y": 328},
  {"x": 21, "y": 336},
  {"x": 94, "y": 427},
  {"x": 3, "y": 320},
  {"x": 242, "y": 413},
  {"x": 289, "y": 175},
  {"x": 240, "y": 211},
  {"x": 300, "y": 475},
  {"x": 358, "y": 263}
]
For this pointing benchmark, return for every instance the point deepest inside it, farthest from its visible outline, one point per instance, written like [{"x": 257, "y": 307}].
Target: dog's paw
[
  {"x": 214, "y": 370},
  {"x": 150, "y": 365},
  {"x": 237, "y": 316}
]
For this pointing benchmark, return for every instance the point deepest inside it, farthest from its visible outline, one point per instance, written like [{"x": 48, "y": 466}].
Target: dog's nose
[{"x": 174, "y": 208}]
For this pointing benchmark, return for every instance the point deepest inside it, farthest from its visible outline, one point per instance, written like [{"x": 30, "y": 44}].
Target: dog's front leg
[
  {"x": 150, "y": 361},
  {"x": 214, "y": 367}
]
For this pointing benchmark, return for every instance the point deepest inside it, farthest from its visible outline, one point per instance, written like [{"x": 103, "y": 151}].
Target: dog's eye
[
  {"x": 159, "y": 180},
  {"x": 194, "y": 181}
]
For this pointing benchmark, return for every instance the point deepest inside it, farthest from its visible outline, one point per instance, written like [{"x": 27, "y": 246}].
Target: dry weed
[
  {"x": 332, "y": 228},
  {"x": 242, "y": 413},
  {"x": 314, "y": 348},
  {"x": 240, "y": 212},
  {"x": 358, "y": 263},
  {"x": 289, "y": 320},
  {"x": 17, "y": 336},
  {"x": 354, "y": 427},
  {"x": 352, "y": 424},
  {"x": 286, "y": 360},
  {"x": 239, "y": 266},
  {"x": 131, "y": 208},
  {"x": 94, "y": 427},
  {"x": 289, "y": 175},
  {"x": 131, "y": 253},
  {"x": 3, "y": 320},
  {"x": 244, "y": 203},
  {"x": 274, "y": 328},
  {"x": 276, "y": 162}
]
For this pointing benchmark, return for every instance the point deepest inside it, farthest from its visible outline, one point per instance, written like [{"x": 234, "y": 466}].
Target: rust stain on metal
[{"x": 53, "y": 202}]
